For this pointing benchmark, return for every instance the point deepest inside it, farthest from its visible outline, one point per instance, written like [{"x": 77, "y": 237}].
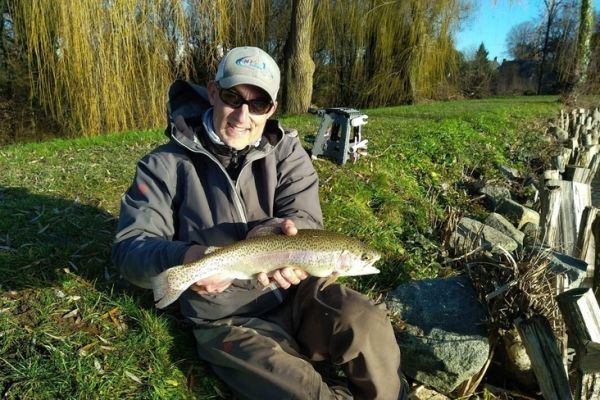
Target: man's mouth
[{"x": 239, "y": 130}]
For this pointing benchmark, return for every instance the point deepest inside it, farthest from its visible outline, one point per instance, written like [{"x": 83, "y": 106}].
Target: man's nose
[{"x": 241, "y": 113}]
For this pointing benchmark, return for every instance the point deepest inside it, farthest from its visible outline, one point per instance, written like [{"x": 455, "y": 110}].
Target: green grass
[{"x": 70, "y": 328}]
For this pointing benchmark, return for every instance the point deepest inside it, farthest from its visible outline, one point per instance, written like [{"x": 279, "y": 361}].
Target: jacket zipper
[{"x": 236, "y": 198}]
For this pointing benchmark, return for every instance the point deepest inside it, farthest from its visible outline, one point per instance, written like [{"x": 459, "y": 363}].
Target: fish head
[{"x": 358, "y": 262}]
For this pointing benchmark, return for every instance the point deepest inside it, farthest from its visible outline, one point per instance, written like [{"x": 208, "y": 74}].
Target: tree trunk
[
  {"x": 582, "y": 52},
  {"x": 551, "y": 8},
  {"x": 298, "y": 64}
]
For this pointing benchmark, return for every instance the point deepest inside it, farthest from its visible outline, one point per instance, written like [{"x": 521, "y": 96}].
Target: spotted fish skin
[{"x": 320, "y": 253}]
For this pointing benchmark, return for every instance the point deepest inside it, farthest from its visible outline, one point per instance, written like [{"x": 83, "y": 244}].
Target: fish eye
[{"x": 365, "y": 257}]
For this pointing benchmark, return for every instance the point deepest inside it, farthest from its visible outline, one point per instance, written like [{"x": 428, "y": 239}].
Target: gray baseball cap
[{"x": 250, "y": 66}]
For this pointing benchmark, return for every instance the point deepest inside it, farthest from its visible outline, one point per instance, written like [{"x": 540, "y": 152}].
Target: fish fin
[
  {"x": 210, "y": 249},
  {"x": 265, "y": 231},
  {"x": 332, "y": 278}
]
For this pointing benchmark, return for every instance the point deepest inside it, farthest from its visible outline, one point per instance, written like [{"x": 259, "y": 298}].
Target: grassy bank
[{"x": 69, "y": 328}]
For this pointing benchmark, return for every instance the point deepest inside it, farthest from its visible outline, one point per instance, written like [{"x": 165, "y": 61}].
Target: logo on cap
[{"x": 253, "y": 63}]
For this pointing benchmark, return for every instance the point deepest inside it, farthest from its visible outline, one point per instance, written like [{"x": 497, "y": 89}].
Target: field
[{"x": 70, "y": 328}]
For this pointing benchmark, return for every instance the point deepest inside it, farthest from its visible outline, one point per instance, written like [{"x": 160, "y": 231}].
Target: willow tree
[
  {"x": 298, "y": 64},
  {"x": 100, "y": 66},
  {"x": 388, "y": 52}
]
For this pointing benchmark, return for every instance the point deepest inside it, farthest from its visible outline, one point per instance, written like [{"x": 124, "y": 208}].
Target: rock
[
  {"x": 512, "y": 362},
  {"x": 518, "y": 213},
  {"x": 470, "y": 234},
  {"x": 531, "y": 232},
  {"x": 510, "y": 173},
  {"x": 495, "y": 194},
  {"x": 423, "y": 393},
  {"x": 503, "y": 225},
  {"x": 558, "y": 132},
  {"x": 443, "y": 342}
]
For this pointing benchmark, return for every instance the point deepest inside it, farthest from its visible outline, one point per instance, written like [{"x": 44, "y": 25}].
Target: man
[{"x": 227, "y": 173}]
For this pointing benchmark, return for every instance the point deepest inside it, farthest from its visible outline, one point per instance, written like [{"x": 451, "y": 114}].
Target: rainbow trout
[{"x": 319, "y": 253}]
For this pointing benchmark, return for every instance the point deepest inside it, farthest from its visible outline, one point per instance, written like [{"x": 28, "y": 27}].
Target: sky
[{"x": 491, "y": 21}]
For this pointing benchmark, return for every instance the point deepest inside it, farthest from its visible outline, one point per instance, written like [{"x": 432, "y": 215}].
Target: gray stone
[
  {"x": 558, "y": 132},
  {"x": 471, "y": 234},
  {"x": 495, "y": 194},
  {"x": 503, "y": 225},
  {"x": 532, "y": 233},
  {"x": 444, "y": 342},
  {"x": 518, "y": 213},
  {"x": 510, "y": 173},
  {"x": 424, "y": 393}
]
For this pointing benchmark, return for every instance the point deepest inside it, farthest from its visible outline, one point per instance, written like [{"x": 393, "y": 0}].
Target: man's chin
[
  {"x": 237, "y": 144},
  {"x": 240, "y": 142}
]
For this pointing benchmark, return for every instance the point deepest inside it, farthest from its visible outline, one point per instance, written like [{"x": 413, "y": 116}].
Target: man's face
[{"x": 238, "y": 127}]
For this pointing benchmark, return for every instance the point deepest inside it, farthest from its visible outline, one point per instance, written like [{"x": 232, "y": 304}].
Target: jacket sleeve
[
  {"x": 143, "y": 246},
  {"x": 297, "y": 193}
]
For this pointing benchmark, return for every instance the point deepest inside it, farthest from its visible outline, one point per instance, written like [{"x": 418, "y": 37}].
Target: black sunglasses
[{"x": 235, "y": 100}]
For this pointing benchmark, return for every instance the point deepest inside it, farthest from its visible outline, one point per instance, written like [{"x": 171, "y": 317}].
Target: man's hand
[
  {"x": 211, "y": 284},
  {"x": 287, "y": 276}
]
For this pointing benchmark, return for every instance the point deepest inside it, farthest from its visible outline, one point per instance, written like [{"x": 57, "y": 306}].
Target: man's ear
[
  {"x": 272, "y": 110},
  {"x": 213, "y": 92}
]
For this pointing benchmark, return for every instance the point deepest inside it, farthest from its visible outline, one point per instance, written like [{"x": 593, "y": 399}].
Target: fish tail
[
  {"x": 160, "y": 285},
  {"x": 164, "y": 293},
  {"x": 169, "y": 284},
  {"x": 169, "y": 297}
]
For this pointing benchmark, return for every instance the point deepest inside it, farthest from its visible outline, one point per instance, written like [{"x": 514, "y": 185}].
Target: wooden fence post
[
  {"x": 545, "y": 356},
  {"x": 582, "y": 316}
]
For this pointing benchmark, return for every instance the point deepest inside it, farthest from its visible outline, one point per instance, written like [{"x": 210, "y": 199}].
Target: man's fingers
[
  {"x": 281, "y": 280},
  {"x": 288, "y": 227},
  {"x": 301, "y": 274},
  {"x": 263, "y": 279},
  {"x": 290, "y": 275}
]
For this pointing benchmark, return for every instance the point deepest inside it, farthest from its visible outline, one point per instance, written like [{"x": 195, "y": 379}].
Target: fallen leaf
[
  {"x": 71, "y": 314},
  {"x": 102, "y": 339},
  {"x": 133, "y": 377},
  {"x": 98, "y": 366},
  {"x": 172, "y": 382},
  {"x": 61, "y": 338},
  {"x": 85, "y": 350}
]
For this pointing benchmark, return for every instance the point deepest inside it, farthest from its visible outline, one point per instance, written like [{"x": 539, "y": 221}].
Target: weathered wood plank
[
  {"x": 581, "y": 314},
  {"x": 546, "y": 360},
  {"x": 549, "y": 217},
  {"x": 576, "y": 174},
  {"x": 586, "y": 241},
  {"x": 575, "y": 196}
]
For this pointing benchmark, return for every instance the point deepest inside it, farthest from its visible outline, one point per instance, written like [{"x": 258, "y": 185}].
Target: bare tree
[
  {"x": 521, "y": 41},
  {"x": 552, "y": 7}
]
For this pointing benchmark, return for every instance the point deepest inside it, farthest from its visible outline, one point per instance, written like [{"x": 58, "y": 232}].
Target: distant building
[{"x": 516, "y": 77}]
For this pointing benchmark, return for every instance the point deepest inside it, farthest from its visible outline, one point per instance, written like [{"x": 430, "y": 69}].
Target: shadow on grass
[
  {"x": 46, "y": 240},
  {"x": 41, "y": 237}
]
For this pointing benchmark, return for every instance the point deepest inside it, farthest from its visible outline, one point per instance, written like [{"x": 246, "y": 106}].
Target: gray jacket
[{"x": 181, "y": 194}]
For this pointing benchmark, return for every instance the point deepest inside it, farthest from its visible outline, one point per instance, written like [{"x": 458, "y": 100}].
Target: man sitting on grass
[{"x": 227, "y": 173}]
